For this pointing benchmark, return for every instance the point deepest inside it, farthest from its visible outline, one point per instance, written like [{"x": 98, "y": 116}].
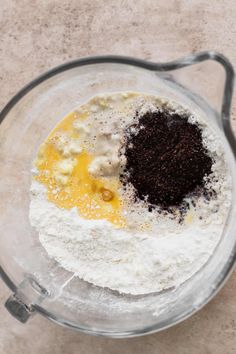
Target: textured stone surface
[{"x": 36, "y": 35}]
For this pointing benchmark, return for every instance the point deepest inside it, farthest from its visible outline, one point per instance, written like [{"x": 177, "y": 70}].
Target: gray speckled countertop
[{"x": 38, "y": 34}]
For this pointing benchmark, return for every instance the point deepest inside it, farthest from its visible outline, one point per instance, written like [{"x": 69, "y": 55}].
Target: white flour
[{"x": 130, "y": 260}]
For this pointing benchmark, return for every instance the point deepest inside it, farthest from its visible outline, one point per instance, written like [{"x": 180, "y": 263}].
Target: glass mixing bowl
[{"x": 38, "y": 283}]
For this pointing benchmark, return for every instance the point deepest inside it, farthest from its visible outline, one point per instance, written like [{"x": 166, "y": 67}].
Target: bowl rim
[{"x": 156, "y": 67}]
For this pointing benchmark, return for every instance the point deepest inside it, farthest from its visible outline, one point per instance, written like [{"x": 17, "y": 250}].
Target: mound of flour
[{"x": 130, "y": 262}]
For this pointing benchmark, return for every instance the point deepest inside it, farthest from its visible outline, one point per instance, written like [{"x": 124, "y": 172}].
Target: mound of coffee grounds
[{"x": 166, "y": 159}]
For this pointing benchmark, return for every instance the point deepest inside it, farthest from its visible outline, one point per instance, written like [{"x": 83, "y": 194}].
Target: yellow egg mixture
[{"x": 68, "y": 181}]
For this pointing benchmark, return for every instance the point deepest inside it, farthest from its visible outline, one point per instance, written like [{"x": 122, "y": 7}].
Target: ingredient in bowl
[
  {"x": 63, "y": 167},
  {"x": 105, "y": 167},
  {"x": 170, "y": 151}
]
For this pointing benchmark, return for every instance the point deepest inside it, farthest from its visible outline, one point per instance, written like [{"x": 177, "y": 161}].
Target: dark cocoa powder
[{"x": 166, "y": 159}]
